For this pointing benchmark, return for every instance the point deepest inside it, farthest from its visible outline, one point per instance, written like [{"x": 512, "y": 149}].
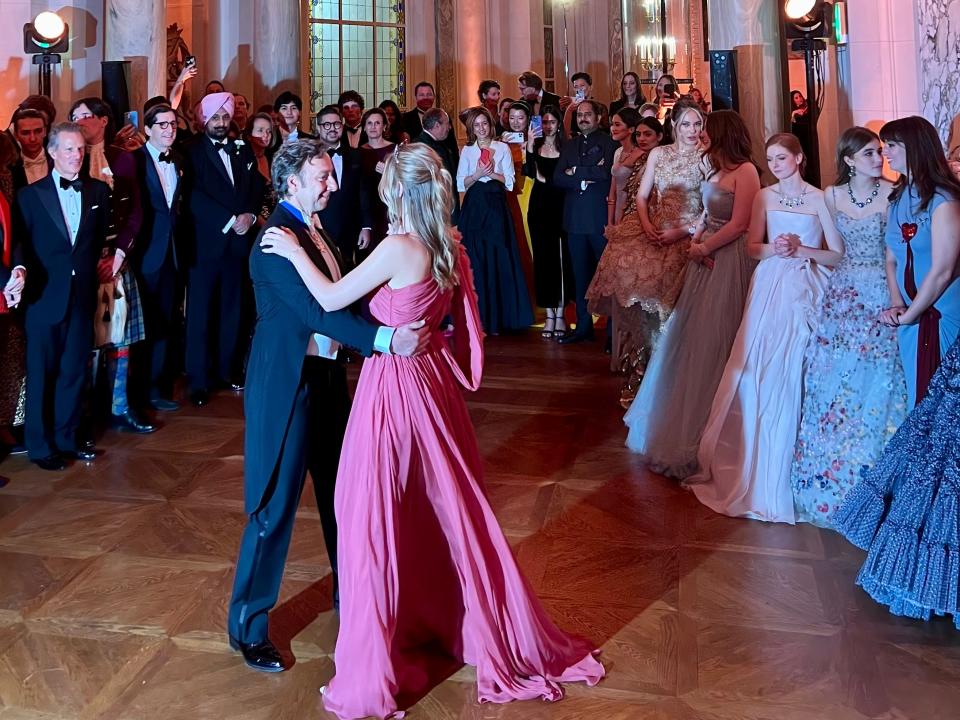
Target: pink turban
[{"x": 211, "y": 103}]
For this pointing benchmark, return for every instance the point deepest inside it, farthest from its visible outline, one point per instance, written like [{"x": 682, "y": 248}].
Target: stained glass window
[{"x": 357, "y": 45}]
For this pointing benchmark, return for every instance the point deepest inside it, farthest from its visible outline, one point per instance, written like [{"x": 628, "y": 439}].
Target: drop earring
[{"x": 853, "y": 171}]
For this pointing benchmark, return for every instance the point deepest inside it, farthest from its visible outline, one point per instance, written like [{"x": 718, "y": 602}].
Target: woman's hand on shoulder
[{"x": 280, "y": 241}]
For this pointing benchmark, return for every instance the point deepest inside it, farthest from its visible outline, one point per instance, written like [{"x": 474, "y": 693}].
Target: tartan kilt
[{"x": 133, "y": 331}]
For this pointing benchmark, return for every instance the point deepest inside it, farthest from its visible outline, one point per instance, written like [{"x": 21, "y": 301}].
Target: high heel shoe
[{"x": 549, "y": 327}]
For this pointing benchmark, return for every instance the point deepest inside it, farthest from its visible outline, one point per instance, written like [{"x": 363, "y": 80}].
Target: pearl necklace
[
  {"x": 792, "y": 202},
  {"x": 869, "y": 200}
]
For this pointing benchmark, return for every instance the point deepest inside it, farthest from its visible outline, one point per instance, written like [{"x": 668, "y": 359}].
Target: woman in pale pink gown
[{"x": 427, "y": 578}]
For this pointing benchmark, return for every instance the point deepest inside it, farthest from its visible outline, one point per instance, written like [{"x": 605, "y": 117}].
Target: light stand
[
  {"x": 810, "y": 47},
  {"x": 46, "y": 61}
]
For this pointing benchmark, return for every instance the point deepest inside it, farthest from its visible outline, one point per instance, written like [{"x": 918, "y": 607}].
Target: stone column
[
  {"x": 752, "y": 28},
  {"x": 276, "y": 51},
  {"x": 136, "y": 31}
]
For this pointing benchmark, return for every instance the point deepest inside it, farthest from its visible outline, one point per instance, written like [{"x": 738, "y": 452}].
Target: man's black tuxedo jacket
[
  {"x": 349, "y": 209},
  {"x": 54, "y": 267},
  {"x": 414, "y": 126},
  {"x": 212, "y": 200},
  {"x": 287, "y": 315},
  {"x": 159, "y": 221}
]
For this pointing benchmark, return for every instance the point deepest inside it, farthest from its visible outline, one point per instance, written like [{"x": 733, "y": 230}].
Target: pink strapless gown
[{"x": 427, "y": 578}]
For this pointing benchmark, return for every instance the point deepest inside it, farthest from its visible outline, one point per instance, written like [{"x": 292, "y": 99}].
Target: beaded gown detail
[
  {"x": 633, "y": 270},
  {"x": 855, "y": 393},
  {"x": 427, "y": 579}
]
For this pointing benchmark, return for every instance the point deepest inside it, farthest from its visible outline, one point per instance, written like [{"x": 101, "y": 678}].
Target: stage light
[
  {"x": 796, "y": 9},
  {"x": 48, "y": 33},
  {"x": 46, "y": 38}
]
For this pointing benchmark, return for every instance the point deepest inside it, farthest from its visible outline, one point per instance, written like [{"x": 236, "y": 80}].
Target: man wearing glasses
[
  {"x": 155, "y": 257},
  {"x": 348, "y": 217}
]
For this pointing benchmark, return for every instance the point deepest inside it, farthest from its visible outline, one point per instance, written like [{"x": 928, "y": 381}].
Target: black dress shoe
[
  {"x": 164, "y": 405},
  {"x": 199, "y": 398},
  {"x": 128, "y": 422},
  {"x": 86, "y": 454},
  {"x": 262, "y": 656},
  {"x": 236, "y": 386},
  {"x": 54, "y": 463},
  {"x": 576, "y": 337},
  {"x": 87, "y": 445}
]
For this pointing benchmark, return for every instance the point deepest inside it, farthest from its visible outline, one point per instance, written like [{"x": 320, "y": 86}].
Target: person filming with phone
[{"x": 583, "y": 90}]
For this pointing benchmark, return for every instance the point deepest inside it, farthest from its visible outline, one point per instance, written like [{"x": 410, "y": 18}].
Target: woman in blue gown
[
  {"x": 905, "y": 512},
  {"x": 923, "y": 232}
]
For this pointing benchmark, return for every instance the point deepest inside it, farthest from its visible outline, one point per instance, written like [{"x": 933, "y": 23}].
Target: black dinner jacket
[
  {"x": 450, "y": 162},
  {"x": 212, "y": 200},
  {"x": 125, "y": 206},
  {"x": 585, "y": 210},
  {"x": 159, "y": 221},
  {"x": 548, "y": 100},
  {"x": 414, "y": 126},
  {"x": 287, "y": 315},
  {"x": 350, "y": 208},
  {"x": 54, "y": 268}
]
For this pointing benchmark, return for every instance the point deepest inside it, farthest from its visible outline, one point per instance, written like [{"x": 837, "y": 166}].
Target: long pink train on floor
[{"x": 427, "y": 578}]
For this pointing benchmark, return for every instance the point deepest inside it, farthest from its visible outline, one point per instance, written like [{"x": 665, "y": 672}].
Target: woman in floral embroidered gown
[{"x": 855, "y": 396}]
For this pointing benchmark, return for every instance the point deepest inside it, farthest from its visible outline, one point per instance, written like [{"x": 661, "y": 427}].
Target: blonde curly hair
[{"x": 418, "y": 193}]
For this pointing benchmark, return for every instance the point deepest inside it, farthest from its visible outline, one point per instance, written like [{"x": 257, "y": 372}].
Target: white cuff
[
  {"x": 230, "y": 223},
  {"x": 381, "y": 343}
]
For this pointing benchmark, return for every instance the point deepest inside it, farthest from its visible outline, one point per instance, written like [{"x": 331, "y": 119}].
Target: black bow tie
[
  {"x": 67, "y": 184},
  {"x": 167, "y": 157},
  {"x": 227, "y": 146},
  {"x": 338, "y": 150}
]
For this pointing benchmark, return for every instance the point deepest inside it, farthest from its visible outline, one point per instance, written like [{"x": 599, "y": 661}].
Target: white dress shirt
[
  {"x": 470, "y": 160},
  {"x": 167, "y": 172},
  {"x": 225, "y": 158},
  {"x": 71, "y": 205},
  {"x": 35, "y": 168}
]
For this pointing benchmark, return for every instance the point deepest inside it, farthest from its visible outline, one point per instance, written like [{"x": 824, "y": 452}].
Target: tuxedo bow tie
[
  {"x": 338, "y": 150},
  {"x": 167, "y": 157},
  {"x": 68, "y": 184},
  {"x": 227, "y": 146}
]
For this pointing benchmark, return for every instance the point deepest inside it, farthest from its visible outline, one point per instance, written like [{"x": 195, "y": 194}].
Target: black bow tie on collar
[
  {"x": 167, "y": 157},
  {"x": 338, "y": 150},
  {"x": 68, "y": 184},
  {"x": 228, "y": 146}
]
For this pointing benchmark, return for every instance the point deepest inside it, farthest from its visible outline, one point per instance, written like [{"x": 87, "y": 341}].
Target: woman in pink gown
[{"x": 427, "y": 578}]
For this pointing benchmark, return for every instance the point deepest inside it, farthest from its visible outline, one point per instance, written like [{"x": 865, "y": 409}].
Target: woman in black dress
[
  {"x": 373, "y": 154},
  {"x": 552, "y": 274}
]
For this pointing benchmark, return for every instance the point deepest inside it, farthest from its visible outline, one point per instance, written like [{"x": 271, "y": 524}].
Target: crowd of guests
[{"x": 772, "y": 340}]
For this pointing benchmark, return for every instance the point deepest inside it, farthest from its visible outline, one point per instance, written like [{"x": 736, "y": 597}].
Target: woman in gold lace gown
[{"x": 641, "y": 272}]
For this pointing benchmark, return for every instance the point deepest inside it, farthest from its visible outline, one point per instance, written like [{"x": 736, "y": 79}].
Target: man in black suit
[
  {"x": 30, "y": 127},
  {"x": 224, "y": 195},
  {"x": 63, "y": 223},
  {"x": 436, "y": 129},
  {"x": 289, "y": 107},
  {"x": 154, "y": 258},
  {"x": 348, "y": 216},
  {"x": 584, "y": 172},
  {"x": 532, "y": 93},
  {"x": 296, "y": 396},
  {"x": 426, "y": 97}
]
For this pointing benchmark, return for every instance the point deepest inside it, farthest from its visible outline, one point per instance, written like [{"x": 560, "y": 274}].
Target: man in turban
[{"x": 224, "y": 191}]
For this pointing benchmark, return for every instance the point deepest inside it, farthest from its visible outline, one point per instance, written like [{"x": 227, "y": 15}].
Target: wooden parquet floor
[{"x": 114, "y": 580}]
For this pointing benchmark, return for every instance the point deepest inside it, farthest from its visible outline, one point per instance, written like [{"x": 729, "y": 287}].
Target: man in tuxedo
[
  {"x": 154, "y": 258},
  {"x": 436, "y": 129},
  {"x": 348, "y": 216},
  {"x": 62, "y": 222},
  {"x": 413, "y": 119},
  {"x": 289, "y": 107},
  {"x": 351, "y": 105},
  {"x": 297, "y": 402},
  {"x": 584, "y": 172},
  {"x": 30, "y": 128},
  {"x": 532, "y": 93},
  {"x": 225, "y": 193}
]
